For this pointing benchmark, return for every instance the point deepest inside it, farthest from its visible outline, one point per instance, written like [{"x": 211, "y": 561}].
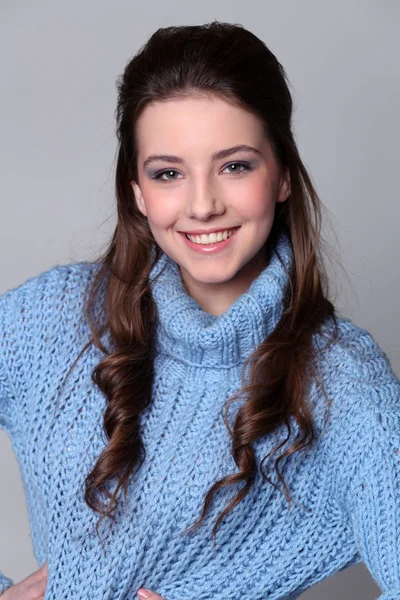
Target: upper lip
[{"x": 208, "y": 231}]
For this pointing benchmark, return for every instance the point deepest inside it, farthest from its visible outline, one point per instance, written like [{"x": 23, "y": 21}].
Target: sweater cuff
[{"x": 5, "y": 583}]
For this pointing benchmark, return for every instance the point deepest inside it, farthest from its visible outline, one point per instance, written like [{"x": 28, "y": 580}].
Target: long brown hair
[{"x": 231, "y": 62}]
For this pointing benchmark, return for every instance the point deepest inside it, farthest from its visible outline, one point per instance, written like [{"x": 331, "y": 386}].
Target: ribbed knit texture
[{"x": 346, "y": 489}]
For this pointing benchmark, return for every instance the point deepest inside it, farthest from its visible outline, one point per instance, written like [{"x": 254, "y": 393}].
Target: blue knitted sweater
[{"x": 346, "y": 489}]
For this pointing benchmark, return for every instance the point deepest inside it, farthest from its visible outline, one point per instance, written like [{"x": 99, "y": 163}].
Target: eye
[
  {"x": 245, "y": 167},
  {"x": 159, "y": 175}
]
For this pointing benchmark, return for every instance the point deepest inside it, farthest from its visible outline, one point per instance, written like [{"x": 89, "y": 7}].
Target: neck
[
  {"x": 190, "y": 334},
  {"x": 216, "y": 298}
]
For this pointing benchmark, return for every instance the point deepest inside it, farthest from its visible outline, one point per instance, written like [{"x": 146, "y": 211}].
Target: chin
[{"x": 215, "y": 275}]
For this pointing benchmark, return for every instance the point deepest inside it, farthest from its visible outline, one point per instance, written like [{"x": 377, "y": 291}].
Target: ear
[
  {"x": 284, "y": 186},
  {"x": 138, "y": 197}
]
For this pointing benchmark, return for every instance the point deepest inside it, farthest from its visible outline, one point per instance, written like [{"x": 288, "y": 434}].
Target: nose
[{"x": 202, "y": 202}]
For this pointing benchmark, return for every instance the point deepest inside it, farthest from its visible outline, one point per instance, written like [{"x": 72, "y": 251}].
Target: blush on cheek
[
  {"x": 163, "y": 211},
  {"x": 258, "y": 207},
  {"x": 260, "y": 198}
]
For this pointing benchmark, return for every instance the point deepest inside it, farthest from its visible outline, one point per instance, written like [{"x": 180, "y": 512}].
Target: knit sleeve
[
  {"x": 31, "y": 315},
  {"x": 5, "y": 583},
  {"x": 367, "y": 453},
  {"x": 7, "y": 401},
  {"x": 16, "y": 319},
  {"x": 16, "y": 335},
  {"x": 8, "y": 394},
  {"x": 34, "y": 317}
]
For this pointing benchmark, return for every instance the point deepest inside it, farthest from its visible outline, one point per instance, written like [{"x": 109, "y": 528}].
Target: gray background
[{"x": 58, "y": 66}]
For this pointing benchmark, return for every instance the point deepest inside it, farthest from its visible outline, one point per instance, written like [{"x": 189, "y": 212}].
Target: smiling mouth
[{"x": 211, "y": 238}]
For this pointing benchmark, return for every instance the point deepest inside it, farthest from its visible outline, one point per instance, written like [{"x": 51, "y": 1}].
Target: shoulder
[
  {"x": 45, "y": 304},
  {"x": 361, "y": 439},
  {"x": 356, "y": 370},
  {"x": 49, "y": 286},
  {"x": 42, "y": 321},
  {"x": 56, "y": 278}
]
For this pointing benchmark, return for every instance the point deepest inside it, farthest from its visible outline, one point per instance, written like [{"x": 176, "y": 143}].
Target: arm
[
  {"x": 373, "y": 502},
  {"x": 367, "y": 460},
  {"x": 17, "y": 336},
  {"x": 7, "y": 394},
  {"x": 32, "y": 318},
  {"x": 7, "y": 402},
  {"x": 16, "y": 365}
]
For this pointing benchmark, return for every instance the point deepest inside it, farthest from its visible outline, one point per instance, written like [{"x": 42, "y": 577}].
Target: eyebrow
[{"x": 170, "y": 158}]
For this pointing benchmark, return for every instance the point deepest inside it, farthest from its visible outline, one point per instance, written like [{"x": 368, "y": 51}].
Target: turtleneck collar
[{"x": 196, "y": 337}]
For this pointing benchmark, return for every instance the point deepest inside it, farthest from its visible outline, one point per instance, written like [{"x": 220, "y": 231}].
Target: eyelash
[{"x": 246, "y": 166}]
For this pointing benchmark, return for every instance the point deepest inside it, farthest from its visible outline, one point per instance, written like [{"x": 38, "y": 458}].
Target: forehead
[{"x": 201, "y": 124}]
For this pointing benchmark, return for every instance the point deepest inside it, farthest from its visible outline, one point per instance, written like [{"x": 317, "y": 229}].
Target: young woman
[{"x": 190, "y": 414}]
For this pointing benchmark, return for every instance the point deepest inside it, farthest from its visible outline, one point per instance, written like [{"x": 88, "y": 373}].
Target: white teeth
[{"x": 212, "y": 238}]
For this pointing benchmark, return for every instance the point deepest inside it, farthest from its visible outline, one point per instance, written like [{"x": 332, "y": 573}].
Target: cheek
[
  {"x": 256, "y": 200},
  {"x": 161, "y": 209}
]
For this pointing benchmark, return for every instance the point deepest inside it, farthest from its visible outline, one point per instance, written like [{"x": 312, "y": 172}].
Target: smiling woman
[{"x": 212, "y": 291}]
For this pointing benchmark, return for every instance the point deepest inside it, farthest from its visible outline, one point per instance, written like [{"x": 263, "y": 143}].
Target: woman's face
[{"x": 191, "y": 190}]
